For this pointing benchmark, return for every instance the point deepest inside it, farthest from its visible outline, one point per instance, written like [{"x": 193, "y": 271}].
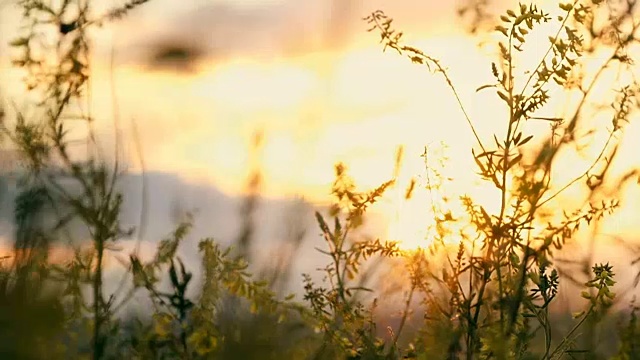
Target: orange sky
[{"x": 356, "y": 105}]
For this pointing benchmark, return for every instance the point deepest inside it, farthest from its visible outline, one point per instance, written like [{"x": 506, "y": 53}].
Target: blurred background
[{"x": 213, "y": 101}]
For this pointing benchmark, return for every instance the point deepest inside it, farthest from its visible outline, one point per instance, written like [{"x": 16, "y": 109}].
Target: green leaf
[
  {"x": 525, "y": 140},
  {"x": 503, "y": 96},
  {"x": 565, "y": 7},
  {"x": 517, "y": 138},
  {"x": 19, "y": 42},
  {"x": 485, "y": 87},
  {"x": 513, "y": 161},
  {"x": 486, "y": 216}
]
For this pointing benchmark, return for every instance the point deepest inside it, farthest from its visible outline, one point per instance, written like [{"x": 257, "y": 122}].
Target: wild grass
[{"x": 491, "y": 295}]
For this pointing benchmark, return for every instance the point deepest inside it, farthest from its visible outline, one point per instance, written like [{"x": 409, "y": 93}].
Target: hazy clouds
[{"x": 225, "y": 29}]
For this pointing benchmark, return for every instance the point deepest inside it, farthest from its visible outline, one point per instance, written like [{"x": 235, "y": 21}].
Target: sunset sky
[{"x": 318, "y": 87}]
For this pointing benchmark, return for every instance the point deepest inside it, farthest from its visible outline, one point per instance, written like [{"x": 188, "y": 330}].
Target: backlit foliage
[{"x": 488, "y": 294}]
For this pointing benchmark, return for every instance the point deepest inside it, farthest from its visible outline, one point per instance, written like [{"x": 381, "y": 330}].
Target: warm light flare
[{"x": 356, "y": 106}]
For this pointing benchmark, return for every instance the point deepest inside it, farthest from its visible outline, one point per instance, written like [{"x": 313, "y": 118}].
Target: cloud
[
  {"x": 223, "y": 30},
  {"x": 217, "y": 215},
  {"x": 162, "y": 29}
]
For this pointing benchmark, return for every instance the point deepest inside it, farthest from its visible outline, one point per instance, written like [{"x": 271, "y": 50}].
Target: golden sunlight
[{"x": 355, "y": 105}]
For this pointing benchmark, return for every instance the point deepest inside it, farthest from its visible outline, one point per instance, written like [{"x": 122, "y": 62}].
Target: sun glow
[
  {"x": 315, "y": 110},
  {"x": 355, "y": 106}
]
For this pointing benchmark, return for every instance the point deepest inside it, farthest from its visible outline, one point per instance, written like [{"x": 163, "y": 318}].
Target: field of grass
[{"x": 490, "y": 284}]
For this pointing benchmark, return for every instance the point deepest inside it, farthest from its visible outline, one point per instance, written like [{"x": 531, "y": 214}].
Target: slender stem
[
  {"x": 405, "y": 315},
  {"x": 575, "y": 327},
  {"x": 386, "y": 35},
  {"x": 98, "y": 341}
]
